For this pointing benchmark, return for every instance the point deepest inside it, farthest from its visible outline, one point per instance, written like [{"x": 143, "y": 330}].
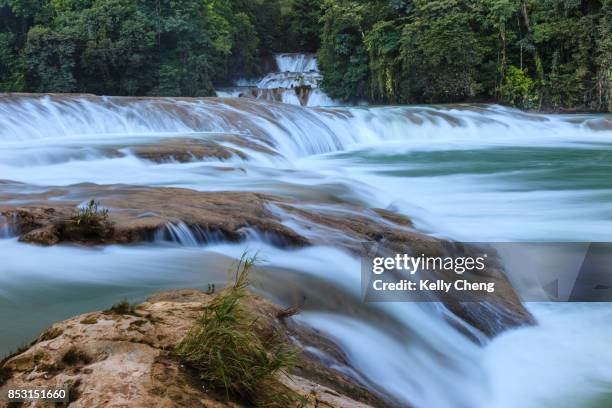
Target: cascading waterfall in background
[
  {"x": 297, "y": 82},
  {"x": 473, "y": 173}
]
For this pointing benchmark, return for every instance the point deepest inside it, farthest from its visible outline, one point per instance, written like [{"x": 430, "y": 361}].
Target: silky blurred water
[{"x": 472, "y": 173}]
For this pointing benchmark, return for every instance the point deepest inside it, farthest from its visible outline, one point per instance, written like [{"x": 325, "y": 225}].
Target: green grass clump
[
  {"x": 91, "y": 214},
  {"x": 122, "y": 308},
  {"x": 229, "y": 355}
]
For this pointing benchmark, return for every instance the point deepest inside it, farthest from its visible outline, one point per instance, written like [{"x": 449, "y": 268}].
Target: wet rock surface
[
  {"x": 213, "y": 147},
  {"x": 136, "y": 213},
  {"x": 113, "y": 359},
  {"x": 142, "y": 214},
  {"x": 186, "y": 150}
]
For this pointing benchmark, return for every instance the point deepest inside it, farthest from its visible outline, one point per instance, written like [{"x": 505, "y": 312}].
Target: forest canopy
[
  {"x": 527, "y": 53},
  {"x": 133, "y": 47},
  {"x": 534, "y": 54}
]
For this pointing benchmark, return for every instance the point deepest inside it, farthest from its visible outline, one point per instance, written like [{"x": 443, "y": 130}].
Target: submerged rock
[
  {"x": 216, "y": 147},
  {"x": 125, "y": 358},
  {"x": 186, "y": 150}
]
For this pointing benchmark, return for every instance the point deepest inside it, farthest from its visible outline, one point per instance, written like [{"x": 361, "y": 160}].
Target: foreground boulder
[{"x": 124, "y": 357}]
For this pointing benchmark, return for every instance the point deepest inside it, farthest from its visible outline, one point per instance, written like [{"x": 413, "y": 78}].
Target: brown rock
[
  {"x": 126, "y": 360},
  {"x": 186, "y": 150},
  {"x": 138, "y": 212}
]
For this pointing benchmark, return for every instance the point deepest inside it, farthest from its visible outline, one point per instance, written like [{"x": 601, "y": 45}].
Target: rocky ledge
[
  {"x": 144, "y": 214},
  {"x": 214, "y": 147},
  {"x": 125, "y": 357},
  {"x": 137, "y": 214}
]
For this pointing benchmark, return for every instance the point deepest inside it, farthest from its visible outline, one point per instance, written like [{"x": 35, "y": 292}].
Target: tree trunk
[{"x": 536, "y": 56}]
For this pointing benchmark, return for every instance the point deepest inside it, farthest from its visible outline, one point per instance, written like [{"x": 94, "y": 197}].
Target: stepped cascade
[
  {"x": 273, "y": 177},
  {"x": 296, "y": 81}
]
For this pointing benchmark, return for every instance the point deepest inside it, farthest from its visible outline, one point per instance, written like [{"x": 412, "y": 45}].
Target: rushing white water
[
  {"x": 181, "y": 234},
  {"x": 474, "y": 173},
  {"x": 296, "y": 62},
  {"x": 296, "y": 82},
  {"x": 7, "y": 227}
]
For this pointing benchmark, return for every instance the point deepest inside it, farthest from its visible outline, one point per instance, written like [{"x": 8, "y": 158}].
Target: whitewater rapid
[
  {"x": 474, "y": 173},
  {"x": 295, "y": 81}
]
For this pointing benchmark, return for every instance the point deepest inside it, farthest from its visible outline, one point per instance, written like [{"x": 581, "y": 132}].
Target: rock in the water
[
  {"x": 116, "y": 360},
  {"x": 140, "y": 214},
  {"x": 186, "y": 150}
]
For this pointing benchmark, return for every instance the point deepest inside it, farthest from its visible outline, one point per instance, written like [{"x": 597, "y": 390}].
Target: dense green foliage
[
  {"x": 133, "y": 47},
  {"x": 528, "y": 53},
  {"x": 538, "y": 54},
  {"x": 301, "y": 25}
]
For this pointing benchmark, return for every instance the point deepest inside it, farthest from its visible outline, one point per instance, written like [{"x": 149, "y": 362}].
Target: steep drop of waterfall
[
  {"x": 296, "y": 81},
  {"x": 7, "y": 227}
]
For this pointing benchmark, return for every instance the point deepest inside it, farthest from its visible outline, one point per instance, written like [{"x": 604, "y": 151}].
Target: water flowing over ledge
[
  {"x": 295, "y": 131},
  {"x": 7, "y": 227},
  {"x": 459, "y": 171},
  {"x": 296, "y": 82}
]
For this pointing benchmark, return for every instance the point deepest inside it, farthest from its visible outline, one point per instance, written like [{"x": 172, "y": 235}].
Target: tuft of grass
[
  {"x": 123, "y": 308},
  {"x": 74, "y": 356},
  {"x": 91, "y": 214},
  {"x": 223, "y": 346}
]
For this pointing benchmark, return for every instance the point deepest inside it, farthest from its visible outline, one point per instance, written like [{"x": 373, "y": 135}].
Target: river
[{"x": 465, "y": 172}]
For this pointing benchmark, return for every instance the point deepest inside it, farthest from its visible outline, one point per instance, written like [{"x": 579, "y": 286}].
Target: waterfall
[
  {"x": 7, "y": 226},
  {"x": 486, "y": 171},
  {"x": 294, "y": 62},
  {"x": 296, "y": 82},
  {"x": 293, "y": 131},
  {"x": 188, "y": 236}
]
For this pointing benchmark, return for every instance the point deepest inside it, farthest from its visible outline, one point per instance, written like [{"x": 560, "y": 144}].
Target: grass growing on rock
[
  {"x": 91, "y": 214},
  {"x": 90, "y": 320},
  {"x": 224, "y": 347},
  {"x": 90, "y": 222},
  {"x": 122, "y": 308}
]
